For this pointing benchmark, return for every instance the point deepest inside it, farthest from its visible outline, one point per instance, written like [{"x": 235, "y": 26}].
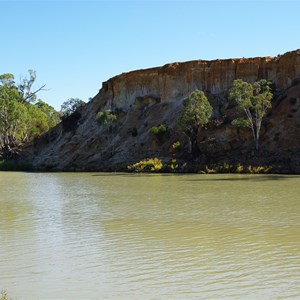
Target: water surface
[{"x": 135, "y": 236}]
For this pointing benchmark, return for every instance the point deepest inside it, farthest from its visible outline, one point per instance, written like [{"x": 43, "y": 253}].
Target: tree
[
  {"x": 53, "y": 116},
  {"x": 161, "y": 132},
  {"x": 12, "y": 112},
  {"x": 196, "y": 113},
  {"x": 70, "y": 106},
  {"x": 25, "y": 87},
  {"x": 254, "y": 100},
  {"x": 20, "y": 119}
]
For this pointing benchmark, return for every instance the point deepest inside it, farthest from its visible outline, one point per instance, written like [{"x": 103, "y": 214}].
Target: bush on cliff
[
  {"x": 161, "y": 132},
  {"x": 106, "y": 117}
]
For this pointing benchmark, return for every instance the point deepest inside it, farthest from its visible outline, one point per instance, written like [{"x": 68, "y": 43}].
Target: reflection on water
[{"x": 118, "y": 236}]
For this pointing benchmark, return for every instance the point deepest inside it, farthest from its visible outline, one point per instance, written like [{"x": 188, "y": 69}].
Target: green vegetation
[
  {"x": 240, "y": 169},
  {"x": 196, "y": 113},
  {"x": 151, "y": 164},
  {"x": 70, "y": 106},
  {"x": 173, "y": 166},
  {"x": 161, "y": 132},
  {"x": 156, "y": 165},
  {"x": 22, "y": 117},
  {"x": 176, "y": 146},
  {"x": 106, "y": 117},
  {"x": 254, "y": 100}
]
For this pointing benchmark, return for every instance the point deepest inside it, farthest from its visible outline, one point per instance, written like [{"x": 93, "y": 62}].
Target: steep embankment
[{"x": 147, "y": 98}]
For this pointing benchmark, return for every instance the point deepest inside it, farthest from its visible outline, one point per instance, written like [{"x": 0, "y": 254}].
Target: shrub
[
  {"x": 106, "y": 117},
  {"x": 176, "y": 145},
  {"x": 160, "y": 131},
  {"x": 209, "y": 170},
  {"x": 239, "y": 168},
  {"x": 3, "y": 295},
  {"x": 173, "y": 165},
  {"x": 225, "y": 168},
  {"x": 151, "y": 164},
  {"x": 258, "y": 169}
]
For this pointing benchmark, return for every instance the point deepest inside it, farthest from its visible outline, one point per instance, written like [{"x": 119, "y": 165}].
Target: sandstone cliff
[{"x": 147, "y": 98}]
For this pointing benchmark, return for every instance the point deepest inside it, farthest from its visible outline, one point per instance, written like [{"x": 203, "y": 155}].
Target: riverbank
[{"x": 167, "y": 165}]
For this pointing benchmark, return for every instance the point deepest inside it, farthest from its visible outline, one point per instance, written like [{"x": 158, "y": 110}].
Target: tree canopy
[
  {"x": 70, "y": 106},
  {"x": 196, "y": 113},
  {"x": 22, "y": 116}
]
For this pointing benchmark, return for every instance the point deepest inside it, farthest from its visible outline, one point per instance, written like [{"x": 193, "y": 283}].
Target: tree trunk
[
  {"x": 195, "y": 148},
  {"x": 190, "y": 148}
]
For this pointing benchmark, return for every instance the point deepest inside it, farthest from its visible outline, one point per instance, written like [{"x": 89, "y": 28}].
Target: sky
[{"x": 74, "y": 46}]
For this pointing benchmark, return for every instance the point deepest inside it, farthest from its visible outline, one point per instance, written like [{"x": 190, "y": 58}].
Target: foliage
[
  {"x": 106, "y": 117},
  {"x": 254, "y": 100},
  {"x": 196, "y": 113},
  {"x": 258, "y": 169},
  {"x": 70, "y": 106},
  {"x": 20, "y": 119},
  {"x": 239, "y": 168},
  {"x": 151, "y": 164},
  {"x": 241, "y": 122},
  {"x": 160, "y": 131},
  {"x": 173, "y": 166},
  {"x": 25, "y": 87},
  {"x": 52, "y": 116},
  {"x": 176, "y": 145}
]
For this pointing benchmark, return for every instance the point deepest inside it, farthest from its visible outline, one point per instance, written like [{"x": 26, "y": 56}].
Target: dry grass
[{"x": 3, "y": 295}]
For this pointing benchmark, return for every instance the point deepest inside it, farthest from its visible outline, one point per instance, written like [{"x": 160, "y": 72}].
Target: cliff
[{"x": 146, "y": 98}]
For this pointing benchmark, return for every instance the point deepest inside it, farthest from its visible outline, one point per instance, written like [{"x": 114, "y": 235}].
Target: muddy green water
[{"x": 122, "y": 236}]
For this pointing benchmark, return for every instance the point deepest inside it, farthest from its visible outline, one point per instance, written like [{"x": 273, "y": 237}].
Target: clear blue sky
[{"x": 76, "y": 45}]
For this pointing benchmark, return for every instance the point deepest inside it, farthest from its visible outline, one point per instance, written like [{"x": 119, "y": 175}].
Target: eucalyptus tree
[
  {"x": 254, "y": 100},
  {"x": 70, "y": 106},
  {"x": 196, "y": 113},
  {"x": 20, "y": 119}
]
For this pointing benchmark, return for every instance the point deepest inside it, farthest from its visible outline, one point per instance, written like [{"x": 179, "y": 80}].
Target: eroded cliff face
[{"x": 150, "y": 97}]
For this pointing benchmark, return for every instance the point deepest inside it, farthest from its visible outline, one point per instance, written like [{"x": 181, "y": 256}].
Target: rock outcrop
[{"x": 146, "y": 98}]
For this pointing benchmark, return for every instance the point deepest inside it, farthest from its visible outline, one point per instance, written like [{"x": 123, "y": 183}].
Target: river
[{"x": 144, "y": 236}]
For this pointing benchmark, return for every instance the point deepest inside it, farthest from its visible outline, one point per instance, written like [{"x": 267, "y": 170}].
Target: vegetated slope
[{"x": 146, "y": 98}]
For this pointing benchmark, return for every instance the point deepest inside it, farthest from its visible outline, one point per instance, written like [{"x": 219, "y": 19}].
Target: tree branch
[{"x": 35, "y": 92}]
